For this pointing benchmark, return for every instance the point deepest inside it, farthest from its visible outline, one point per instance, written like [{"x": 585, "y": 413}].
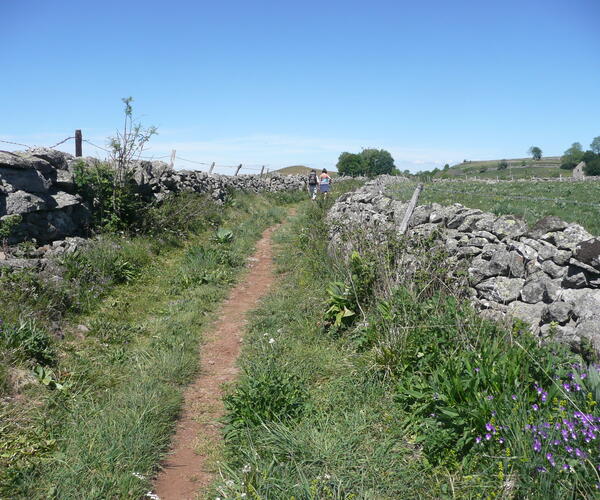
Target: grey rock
[
  {"x": 585, "y": 267},
  {"x": 526, "y": 251},
  {"x": 30, "y": 179},
  {"x": 477, "y": 242},
  {"x": 569, "y": 238},
  {"x": 467, "y": 251},
  {"x": 487, "y": 235},
  {"x": 21, "y": 202},
  {"x": 575, "y": 278},
  {"x": 589, "y": 330},
  {"x": 508, "y": 226},
  {"x": 554, "y": 270},
  {"x": 486, "y": 223},
  {"x": 458, "y": 218},
  {"x": 533, "y": 291},
  {"x": 501, "y": 289},
  {"x": 548, "y": 224},
  {"x": 529, "y": 313},
  {"x": 588, "y": 252},
  {"x": 559, "y": 312},
  {"x": 516, "y": 265}
]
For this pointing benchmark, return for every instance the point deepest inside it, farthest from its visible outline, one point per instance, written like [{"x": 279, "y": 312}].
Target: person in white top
[{"x": 324, "y": 182}]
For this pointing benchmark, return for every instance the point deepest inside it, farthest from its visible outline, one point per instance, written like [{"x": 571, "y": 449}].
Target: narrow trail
[{"x": 187, "y": 471}]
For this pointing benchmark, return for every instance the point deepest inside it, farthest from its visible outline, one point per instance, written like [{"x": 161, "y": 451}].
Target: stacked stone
[
  {"x": 548, "y": 276},
  {"x": 38, "y": 185}
]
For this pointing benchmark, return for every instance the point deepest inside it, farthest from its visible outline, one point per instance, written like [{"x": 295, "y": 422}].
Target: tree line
[{"x": 575, "y": 154}]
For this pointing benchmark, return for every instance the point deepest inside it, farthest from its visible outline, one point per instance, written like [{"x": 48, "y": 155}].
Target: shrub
[
  {"x": 178, "y": 215},
  {"x": 28, "y": 342},
  {"x": 264, "y": 394},
  {"x": 568, "y": 165},
  {"x": 114, "y": 206},
  {"x": 592, "y": 167},
  {"x": 7, "y": 225},
  {"x": 502, "y": 165}
]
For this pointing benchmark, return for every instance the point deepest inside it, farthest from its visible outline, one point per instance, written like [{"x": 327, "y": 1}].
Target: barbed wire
[
  {"x": 96, "y": 146},
  {"x": 264, "y": 168},
  {"x": 61, "y": 142},
  {"x": 16, "y": 143}
]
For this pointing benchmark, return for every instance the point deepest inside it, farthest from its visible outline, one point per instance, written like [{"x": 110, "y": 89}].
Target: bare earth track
[{"x": 186, "y": 472}]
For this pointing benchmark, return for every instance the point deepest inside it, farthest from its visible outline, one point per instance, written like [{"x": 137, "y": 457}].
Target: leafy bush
[
  {"x": 592, "y": 163},
  {"x": 223, "y": 235},
  {"x": 568, "y": 165},
  {"x": 7, "y": 225},
  {"x": 502, "y": 165},
  {"x": 106, "y": 262},
  {"x": 28, "y": 342},
  {"x": 345, "y": 299},
  {"x": 178, "y": 215},
  {"x": 265, "y": 394},
  {"x": 115, "y": 206}
]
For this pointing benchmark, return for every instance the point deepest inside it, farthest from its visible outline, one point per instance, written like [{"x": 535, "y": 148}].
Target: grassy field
[
  {"x": 517, "y": 168},
  {"x": 350, "y": 392},
  {"x": 95, "y": 416},
  {"x": 572, "y": 201}
]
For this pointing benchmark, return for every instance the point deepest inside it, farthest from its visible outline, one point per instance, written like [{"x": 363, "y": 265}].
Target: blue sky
[{"x": 283, "y": 83}]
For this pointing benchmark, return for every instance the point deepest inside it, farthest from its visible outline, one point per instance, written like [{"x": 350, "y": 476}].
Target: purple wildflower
[{"x": 537, "y": 445}]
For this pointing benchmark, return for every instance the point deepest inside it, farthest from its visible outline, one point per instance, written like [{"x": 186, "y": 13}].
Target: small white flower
[
  {"x": 229, "y": 483},
  {"x": 152, "y": 496},
  {"x": 246, "y": 468},
  {"x": 242, "y": 495},
  {"x": 138, "y": 475},
  {"x": 271, "y": 340},
  {"x": 326, "y": 476},
  {"x": 265, "y": 334}
]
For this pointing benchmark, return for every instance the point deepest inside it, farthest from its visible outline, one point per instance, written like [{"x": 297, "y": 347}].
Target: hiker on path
[
  {"x": 313, "y": 184},
  {"x": 324, "y": 182}
]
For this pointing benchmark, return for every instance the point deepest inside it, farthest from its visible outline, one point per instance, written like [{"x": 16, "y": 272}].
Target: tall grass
[
  {"x": 100, "y": 424},
  {"x": 413, "y": 395}
]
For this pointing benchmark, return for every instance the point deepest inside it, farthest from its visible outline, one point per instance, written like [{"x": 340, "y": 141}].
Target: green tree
[
  {"x": 377, "y": 162},
  {"x": 592, "y": 163},
  {"x": 535, "y": 152},
  {"x": 349, "y": 164},
  {"x": 572, "y": 156},
  {"x": 595, "y": 145},
  {"x": 369, "y": 162},
  {"x": 446, "y": 166}
]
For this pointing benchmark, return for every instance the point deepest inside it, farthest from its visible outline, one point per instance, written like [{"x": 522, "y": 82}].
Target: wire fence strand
[{"x": 265, "y": 168}]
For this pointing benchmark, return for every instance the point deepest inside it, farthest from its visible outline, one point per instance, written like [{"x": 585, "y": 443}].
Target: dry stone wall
[
  {"x": 38, "y": 186},
  {"x": 547, "y": 275}
]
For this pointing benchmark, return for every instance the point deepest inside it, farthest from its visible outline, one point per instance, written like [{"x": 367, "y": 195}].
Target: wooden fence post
[
  {"x": 238, "y": 169},
  {"x": 211, "y": 168},
  {"x": 262, "y": 170},
  {"x": 172, "y": 160},
  {"x": 78, "y": 143},
  {"x": 410, "y": 209}
]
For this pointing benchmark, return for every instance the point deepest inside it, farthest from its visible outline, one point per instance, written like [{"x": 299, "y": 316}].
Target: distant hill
[
  {"x": 294, "y": 169},
  {"x": 517, "y": 167},
  {"x": 299, "y": 169}
]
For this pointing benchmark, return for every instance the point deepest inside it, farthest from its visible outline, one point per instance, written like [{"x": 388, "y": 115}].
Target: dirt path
[{"x": 187, "y": 470}]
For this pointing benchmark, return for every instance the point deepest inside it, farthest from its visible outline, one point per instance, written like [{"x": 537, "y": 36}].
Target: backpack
[{"x": 312, "y": 178}]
